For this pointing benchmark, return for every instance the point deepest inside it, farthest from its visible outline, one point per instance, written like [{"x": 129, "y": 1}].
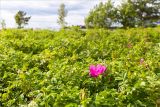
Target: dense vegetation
[{"x": 51, "y": 68}]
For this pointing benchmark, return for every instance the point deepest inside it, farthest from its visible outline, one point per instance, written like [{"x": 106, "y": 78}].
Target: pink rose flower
[{"x": 95, "y": 71}]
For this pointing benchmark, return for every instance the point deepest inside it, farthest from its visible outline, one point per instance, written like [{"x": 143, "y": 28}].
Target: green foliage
[
  {"x": 102, "y": 16},
  {"x": 139, "y": 12},
  {"x": 20, "y": 19},
  {"x": 62, "y": 13},
  {"x": 147, "y": 11},
  {"x": 127, "y": 15},
  {"x": 130, "y": 13},
  {"x": 42, "y": 68}
]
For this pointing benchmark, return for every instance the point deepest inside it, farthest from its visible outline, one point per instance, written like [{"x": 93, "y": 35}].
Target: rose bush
[{"x": 52, "y": 68}]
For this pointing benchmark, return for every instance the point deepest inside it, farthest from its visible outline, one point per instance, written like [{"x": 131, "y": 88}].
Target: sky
[{"x": 44, "y": 12}]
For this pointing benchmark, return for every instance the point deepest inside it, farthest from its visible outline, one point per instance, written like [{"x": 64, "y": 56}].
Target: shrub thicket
[{"x": 51, "y": 68}]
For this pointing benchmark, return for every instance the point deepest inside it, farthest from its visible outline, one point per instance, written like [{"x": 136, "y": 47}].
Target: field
[{"x": 43, "y": 68}]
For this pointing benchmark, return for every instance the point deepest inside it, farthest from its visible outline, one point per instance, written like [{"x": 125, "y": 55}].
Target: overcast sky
[{"x": 44, "y": 12}]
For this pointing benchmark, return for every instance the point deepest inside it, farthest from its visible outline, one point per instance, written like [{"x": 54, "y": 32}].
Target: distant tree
[
  {"x": 127, "y": 15},
  {"x": 130, "y": 13},
  {"x": 3, "y": 24},
  {"x": 148, "y": 11},
  {"x": 139, "y": 12},
  {"x": 101, "y": 16},
  {"x": 21, "y": 19},
  {"x": 62, "y": 13}
]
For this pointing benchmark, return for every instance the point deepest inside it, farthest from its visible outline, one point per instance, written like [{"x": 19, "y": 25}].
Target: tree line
[{"x": 131, "y": 13}]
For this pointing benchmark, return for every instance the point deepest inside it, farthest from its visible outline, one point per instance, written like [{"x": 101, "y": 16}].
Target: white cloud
[
  {"x": 75, "y": 20},
  {"x": 44, "y": 12},
  {"x": 8, "y": 17}
]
